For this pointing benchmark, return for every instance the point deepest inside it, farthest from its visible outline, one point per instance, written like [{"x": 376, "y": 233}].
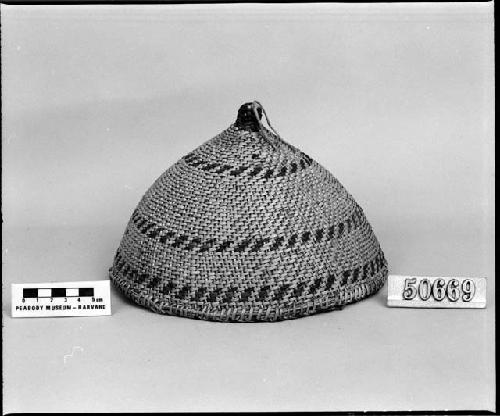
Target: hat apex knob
[{"x": 249, "y": 115}]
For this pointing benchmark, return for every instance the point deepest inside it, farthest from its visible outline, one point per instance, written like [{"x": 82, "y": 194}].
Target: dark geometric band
[
  {"x": 255, "y": 170},
  {"x": 282, "y": 293},
  {"x": 251, "y": 244}
]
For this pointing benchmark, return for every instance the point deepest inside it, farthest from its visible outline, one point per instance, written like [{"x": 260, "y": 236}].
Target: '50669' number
[{"x": 439, "y": 289}]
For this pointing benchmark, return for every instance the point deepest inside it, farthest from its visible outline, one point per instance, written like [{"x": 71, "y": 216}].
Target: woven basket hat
[{"x": 247, "y": 228}]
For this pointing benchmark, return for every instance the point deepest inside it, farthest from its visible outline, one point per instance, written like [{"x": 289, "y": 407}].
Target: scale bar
[
  {"x": 82, "y": 298},
  {"x": 85, "y": 291},
  {"x": 30, "y": 293},
  {"x": 59, "y": 292}
]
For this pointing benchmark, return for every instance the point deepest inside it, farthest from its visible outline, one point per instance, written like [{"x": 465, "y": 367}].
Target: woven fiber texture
[{"x": 247, "y": 228}]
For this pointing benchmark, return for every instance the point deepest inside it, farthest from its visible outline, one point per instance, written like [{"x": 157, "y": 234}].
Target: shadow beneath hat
[{"x": 381, "y": 295}]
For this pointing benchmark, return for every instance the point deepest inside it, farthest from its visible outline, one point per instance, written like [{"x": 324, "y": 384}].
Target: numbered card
[{"x": 436, "y": 292}]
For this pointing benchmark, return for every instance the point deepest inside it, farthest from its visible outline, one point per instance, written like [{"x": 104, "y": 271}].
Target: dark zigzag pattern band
[
  {"x": 256, "y": 170},
  {"x": 251, "y": 294},
  {"x": 253, "y": 244}
]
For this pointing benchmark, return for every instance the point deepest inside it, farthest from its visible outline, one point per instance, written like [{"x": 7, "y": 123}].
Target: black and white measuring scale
[{"x": 89, "y": 298}]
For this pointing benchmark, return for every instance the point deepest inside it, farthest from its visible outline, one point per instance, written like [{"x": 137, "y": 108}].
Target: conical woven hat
[{"x": 247, "y": 228}]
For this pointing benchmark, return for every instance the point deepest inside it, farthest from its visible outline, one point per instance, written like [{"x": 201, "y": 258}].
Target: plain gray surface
[{"x": 396, "y": 100}]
